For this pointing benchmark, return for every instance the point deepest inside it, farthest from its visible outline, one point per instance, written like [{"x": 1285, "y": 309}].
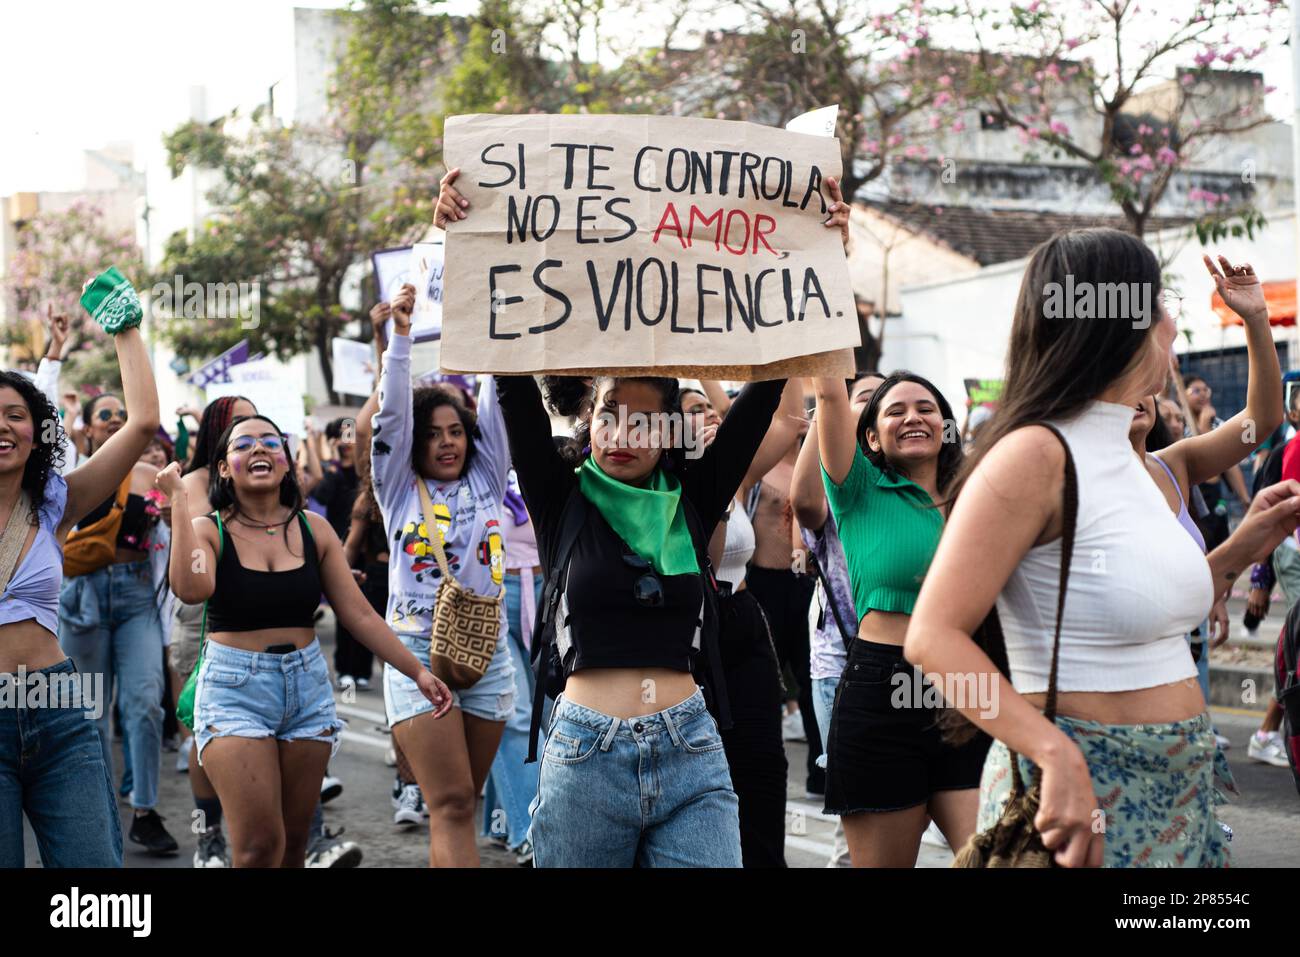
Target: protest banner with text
[{"x": 644, "y": 245}]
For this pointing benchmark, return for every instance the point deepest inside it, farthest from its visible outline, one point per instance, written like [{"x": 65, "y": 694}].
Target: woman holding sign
[{"x": 429, "y": 436}]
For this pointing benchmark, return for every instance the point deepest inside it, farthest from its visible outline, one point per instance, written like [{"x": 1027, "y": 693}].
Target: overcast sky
[{"x": 77, "y": 74}]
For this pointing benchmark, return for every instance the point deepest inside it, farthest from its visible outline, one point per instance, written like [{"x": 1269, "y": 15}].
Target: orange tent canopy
[{"x": 1278, "y": 296}]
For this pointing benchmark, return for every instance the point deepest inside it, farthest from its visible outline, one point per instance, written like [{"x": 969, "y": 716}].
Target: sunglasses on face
[
  {"x": 104, "y": 415},
  {"x": 245, "y": 443},
  {"x": 648, "y": 590}
]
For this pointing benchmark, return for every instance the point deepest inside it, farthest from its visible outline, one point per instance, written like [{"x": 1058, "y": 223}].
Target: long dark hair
[
  {"x": 215, "y": 421},
  {"x": 950, "y": 453},
  {"x": 669, "y": 390},
  {"x": 423, "y": 403},
  {"x": 1159, "y": 437},
  {"x": 47, "y": 443},
  {"x": 221, "y": 491},
  {"x": 1056, "y": 366}
]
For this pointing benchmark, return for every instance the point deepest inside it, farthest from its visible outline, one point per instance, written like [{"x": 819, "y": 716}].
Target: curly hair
[
  {"x": 566, "y": 394},
  {"x": 215, "y": 421},
  {"x": 423, "y": 404},
  {"x": 47, "y": 443}
]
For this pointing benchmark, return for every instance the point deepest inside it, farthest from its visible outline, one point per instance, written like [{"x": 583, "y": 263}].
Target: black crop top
[
  {"x": 137, "y": 524},
  {"x": 608, "y": 626},
  {"x": 250, "y": 600}
]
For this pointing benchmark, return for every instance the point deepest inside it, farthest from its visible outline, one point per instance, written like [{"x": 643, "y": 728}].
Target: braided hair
[{"x": 216, "y": 419}]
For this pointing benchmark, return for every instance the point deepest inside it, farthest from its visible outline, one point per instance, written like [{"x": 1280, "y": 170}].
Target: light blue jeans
[
  {"x": 651, "y": 791},
  {"x": 512, "y": 784},
  {"x": 108, "y": 625},
  {"x": 823, "y": 702}
]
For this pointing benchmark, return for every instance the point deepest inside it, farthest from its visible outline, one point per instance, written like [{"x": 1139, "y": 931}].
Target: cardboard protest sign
[
  {"x": 644, "y": 245},
  {"x": 427, "y": 270}
]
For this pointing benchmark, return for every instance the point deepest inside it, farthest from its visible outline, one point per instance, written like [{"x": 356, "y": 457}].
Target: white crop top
[
  {"x": 739, "y": 548},
  {"x": 1138, "y": 583}
]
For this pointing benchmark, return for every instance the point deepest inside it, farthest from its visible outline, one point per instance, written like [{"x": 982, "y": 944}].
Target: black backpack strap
[
  {"x": 845, "y": 635},
  {"x": 572, "y": 520},
  {"x": 710, "y": 643}
]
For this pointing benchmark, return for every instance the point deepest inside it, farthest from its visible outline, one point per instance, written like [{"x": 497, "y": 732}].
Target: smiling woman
[
  {"x": 887, "y": 770},
  {"x": 264, "y": 720}
]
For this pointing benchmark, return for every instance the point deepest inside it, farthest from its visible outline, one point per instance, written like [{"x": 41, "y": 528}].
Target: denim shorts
[
  {"x": 246, "y": 694},
  {"x": 491, "y": 698},
  {"x": 652, "y": 791}
]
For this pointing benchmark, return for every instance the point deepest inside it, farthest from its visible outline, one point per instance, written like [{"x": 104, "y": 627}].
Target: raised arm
[
  {"x": 192, "y": 566},
  {"x": 717, "y": 396},
  {"x": 390, "y": 443},
  {"x": 1011, "y": 502},
  {"x": 544, "y": 478},
  {"x": 807, "y": 494},
  {"x": 1216, "y": 451},
  {"x": 782, "y": 433},
  {"x": 103, "y": 472},
  {"x": 492, "y": 447},
  {"x": 835, "y": 437},
  {"x": 712, "y": 480}
]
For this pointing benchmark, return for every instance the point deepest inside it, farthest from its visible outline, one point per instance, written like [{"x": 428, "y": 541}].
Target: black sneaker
[{"x": 147, "y": 829}]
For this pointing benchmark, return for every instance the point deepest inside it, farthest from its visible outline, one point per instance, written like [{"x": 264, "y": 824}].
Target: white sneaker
[
  {"x": 390, "y": 758},
  {"x": 1266, "y": 746},
  {"x": 1223, "y": 743},
  {"x": 792, "y": 727},
  {"x": 345, "y": 682},
  {"x": 183, "y": 755},
  {"x": 408, "y": 803},
  {"x": 330, "y": 788},
  {"x": 325, "y": 850},
  {"x": 934, "y": 837}
]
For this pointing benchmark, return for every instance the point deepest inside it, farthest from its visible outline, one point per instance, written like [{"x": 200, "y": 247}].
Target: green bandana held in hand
[
  {"x": 650, "y": 519},
  {"x": 112, "y": 302}
]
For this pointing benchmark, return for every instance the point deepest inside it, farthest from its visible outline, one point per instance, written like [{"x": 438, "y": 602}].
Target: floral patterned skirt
[{"x": 1158, "y": 785}]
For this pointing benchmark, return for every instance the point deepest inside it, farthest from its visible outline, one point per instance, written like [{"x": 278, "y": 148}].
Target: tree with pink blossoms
[
  {"x": 56, "y": 252},
  {"x": 1148, "y": 87}
]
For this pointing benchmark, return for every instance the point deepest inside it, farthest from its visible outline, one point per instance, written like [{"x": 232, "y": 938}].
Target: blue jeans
[
  {"x": 823, "y": 703},
  {"x": 52, "y": 767},
  {"x": 108, "y": 624},
  {"x": 1203, "y": 662},
  {"x": 512, "y": 784},
  {"x": 652, "y": 791}
]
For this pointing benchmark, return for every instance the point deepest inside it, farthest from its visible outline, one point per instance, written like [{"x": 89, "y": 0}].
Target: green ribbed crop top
[{"x": 889, "y": 528}]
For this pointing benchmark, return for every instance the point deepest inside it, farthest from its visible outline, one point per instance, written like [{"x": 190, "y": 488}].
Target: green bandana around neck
[{"x": 649, "y": 519}]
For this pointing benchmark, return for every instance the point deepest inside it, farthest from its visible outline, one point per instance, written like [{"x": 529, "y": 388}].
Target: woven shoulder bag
[{"x": 466, "y": 625}]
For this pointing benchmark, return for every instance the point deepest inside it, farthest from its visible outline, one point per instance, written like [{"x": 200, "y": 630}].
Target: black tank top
[{"x": 249, "y": 600}]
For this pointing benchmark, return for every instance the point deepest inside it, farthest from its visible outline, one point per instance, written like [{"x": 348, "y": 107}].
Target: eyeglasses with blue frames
[{"x": 245, "y": 443}]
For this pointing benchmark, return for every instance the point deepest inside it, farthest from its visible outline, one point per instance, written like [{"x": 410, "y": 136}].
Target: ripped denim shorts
[{"x": 246, "y": 694}]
